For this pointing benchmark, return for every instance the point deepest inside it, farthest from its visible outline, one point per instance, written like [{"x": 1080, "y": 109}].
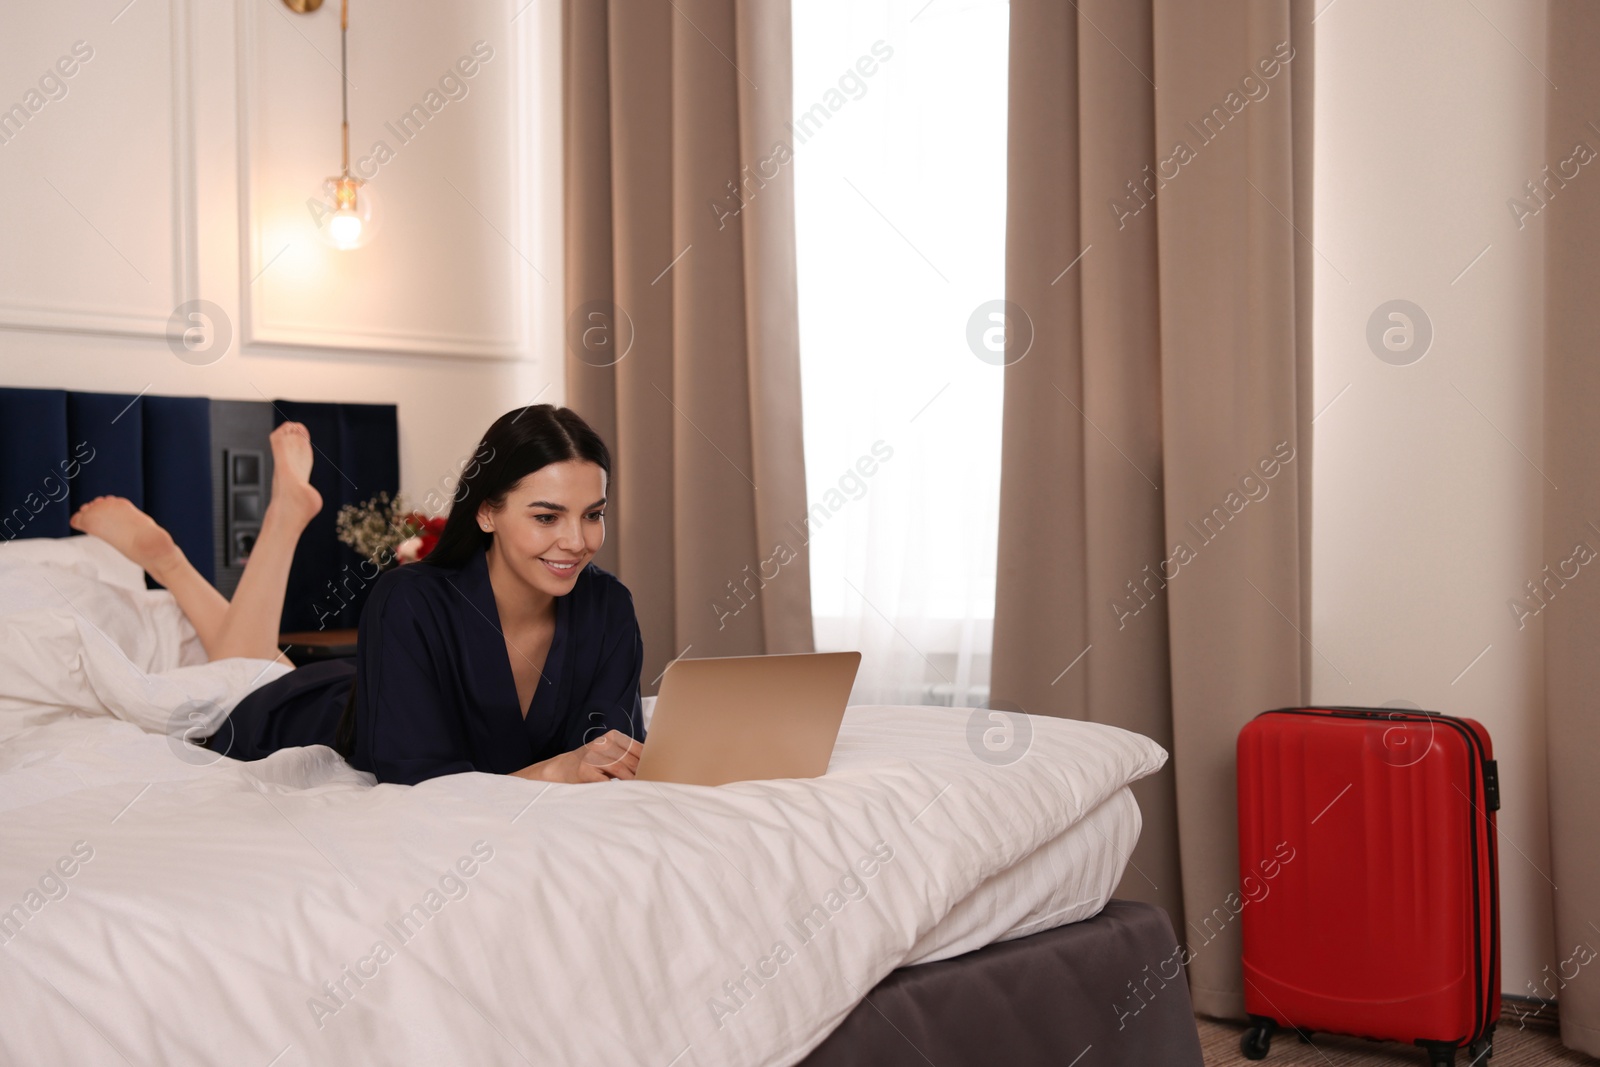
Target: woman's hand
[{"x": 612, "y": 755}]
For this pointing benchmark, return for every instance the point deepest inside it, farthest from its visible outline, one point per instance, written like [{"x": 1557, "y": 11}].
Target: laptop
[{"x": 742, "y": 718}]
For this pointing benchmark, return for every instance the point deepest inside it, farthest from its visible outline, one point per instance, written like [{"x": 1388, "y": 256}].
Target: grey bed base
[{"x": 1088, "y": 994}]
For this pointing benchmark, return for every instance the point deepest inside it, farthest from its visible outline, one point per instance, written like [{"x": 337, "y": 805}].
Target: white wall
[
  {"x": 176, "y": 163},
  {"x": 1429, "y": 116}
]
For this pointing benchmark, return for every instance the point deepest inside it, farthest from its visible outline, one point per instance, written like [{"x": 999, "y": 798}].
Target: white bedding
[{"x": 158, "y": 908}]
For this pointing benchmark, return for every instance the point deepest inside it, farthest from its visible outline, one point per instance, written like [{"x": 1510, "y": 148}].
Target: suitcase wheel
[
  {"x": 1480, "y": 1051},
  {"x": 1440, "y": 1053},
  {"x": 1257, "y": 1041}
]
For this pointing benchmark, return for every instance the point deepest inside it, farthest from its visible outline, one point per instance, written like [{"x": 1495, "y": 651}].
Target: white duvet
[{"x": 160, "y": 907}]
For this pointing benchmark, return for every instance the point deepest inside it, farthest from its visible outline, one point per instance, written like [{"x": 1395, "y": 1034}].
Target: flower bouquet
[{"x": 384, "y": 531}]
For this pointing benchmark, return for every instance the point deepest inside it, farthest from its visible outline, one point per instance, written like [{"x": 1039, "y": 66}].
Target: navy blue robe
[{"x": 434, "y": 689}]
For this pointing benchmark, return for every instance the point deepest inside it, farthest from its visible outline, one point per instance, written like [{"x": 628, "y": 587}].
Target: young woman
[{"x": 504, "y": 651}]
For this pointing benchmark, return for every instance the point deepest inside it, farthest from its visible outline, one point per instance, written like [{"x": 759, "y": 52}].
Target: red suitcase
[{"x": 1369, "y": 875}]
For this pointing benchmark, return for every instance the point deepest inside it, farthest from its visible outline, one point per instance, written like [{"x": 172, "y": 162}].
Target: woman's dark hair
[{"x": 519, "y": 443}]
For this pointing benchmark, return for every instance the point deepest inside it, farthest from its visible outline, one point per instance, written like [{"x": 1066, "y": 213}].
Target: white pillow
[{"x": 81, "y": 553}]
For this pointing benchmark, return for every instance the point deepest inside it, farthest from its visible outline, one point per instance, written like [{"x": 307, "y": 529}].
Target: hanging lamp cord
[{"x": 344, "y": 83}]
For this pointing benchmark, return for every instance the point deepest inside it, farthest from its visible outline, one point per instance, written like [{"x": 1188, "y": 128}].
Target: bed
[{"x": 161, "y": 904}]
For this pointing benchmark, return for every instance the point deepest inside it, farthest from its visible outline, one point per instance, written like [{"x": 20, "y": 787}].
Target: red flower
[{"x": 425, "y": 534}]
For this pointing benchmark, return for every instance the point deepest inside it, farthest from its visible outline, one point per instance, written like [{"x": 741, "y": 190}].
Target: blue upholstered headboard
[{"x": 59, "y": 449}]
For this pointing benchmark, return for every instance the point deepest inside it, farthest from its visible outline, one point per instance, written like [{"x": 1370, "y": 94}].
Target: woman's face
[{"x": 551, "y": 525}]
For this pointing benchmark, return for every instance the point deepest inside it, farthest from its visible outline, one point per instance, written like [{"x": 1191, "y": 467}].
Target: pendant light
[{"x": 345, "y": 220}]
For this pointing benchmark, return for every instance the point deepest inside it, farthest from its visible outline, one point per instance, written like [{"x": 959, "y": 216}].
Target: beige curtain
[
  {"x": 1155, "y": 495},
  {"x": 1571, "y": 519},
  {"x": 682, "y": 337}
]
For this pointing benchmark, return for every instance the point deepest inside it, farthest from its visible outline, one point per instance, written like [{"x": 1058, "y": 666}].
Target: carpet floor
[{"x": 1512, "y": 1048}]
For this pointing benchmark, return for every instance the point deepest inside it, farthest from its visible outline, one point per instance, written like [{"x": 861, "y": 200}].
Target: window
[{"x": 899, "y": 156}]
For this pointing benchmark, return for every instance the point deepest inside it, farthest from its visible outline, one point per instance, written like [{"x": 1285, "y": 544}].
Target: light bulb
[
  {"x": 344, "y": 214},
  {"x": 345, "y": 229}
]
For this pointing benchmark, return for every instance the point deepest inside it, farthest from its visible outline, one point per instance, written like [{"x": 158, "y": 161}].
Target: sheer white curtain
[{"x": 899, "y": 155}]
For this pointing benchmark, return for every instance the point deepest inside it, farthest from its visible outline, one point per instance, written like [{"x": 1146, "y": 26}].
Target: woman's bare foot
[
  {"x": 291, "y": 474},
  {"x": 116, "y": 521}
]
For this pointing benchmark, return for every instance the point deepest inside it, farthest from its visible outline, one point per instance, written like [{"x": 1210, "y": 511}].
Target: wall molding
[
  {"x": 184, "y": 284},
  {"x": 259, "y": 334}
]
